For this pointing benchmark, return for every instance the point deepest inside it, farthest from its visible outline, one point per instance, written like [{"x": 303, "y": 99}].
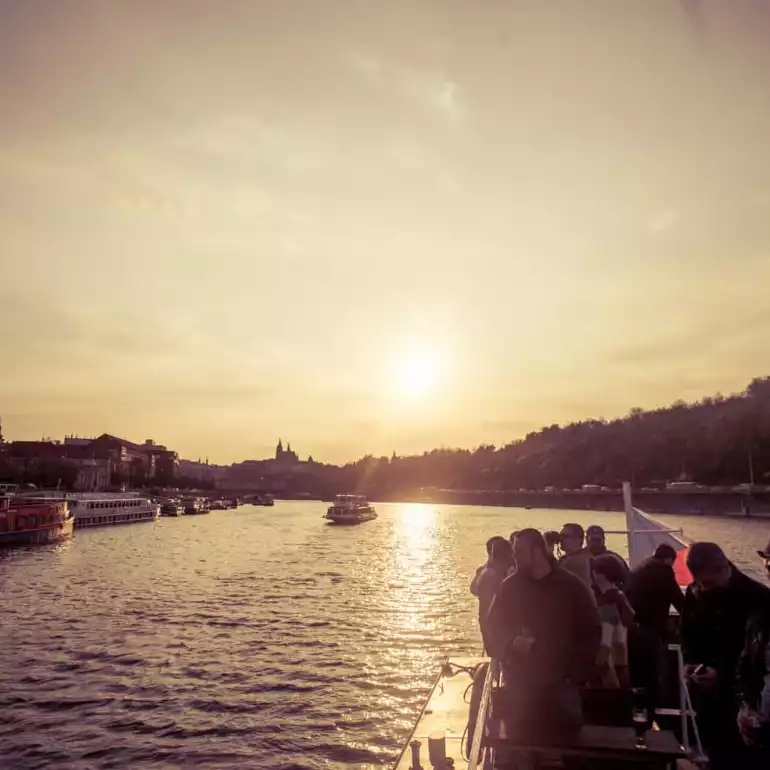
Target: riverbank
[{"x": 690, "y": 503}]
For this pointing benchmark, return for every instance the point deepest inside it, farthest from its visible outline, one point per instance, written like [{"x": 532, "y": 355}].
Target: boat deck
[{"x": 445, "y": 712}]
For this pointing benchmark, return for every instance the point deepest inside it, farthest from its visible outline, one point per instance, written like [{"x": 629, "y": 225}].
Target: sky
[{"x": 367, "y": 227}]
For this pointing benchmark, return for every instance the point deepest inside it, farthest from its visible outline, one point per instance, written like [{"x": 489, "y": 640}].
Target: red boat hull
[{"x": 35, "y": 525}]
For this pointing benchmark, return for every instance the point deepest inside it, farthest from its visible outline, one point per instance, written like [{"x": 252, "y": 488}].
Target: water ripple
[{"x": 253, "y": 638}]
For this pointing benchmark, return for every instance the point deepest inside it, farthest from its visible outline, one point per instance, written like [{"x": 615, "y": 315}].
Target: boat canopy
[{"x": 350, "y": 499}]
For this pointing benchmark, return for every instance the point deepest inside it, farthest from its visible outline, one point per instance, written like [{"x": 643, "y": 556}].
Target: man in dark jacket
[
  {"x": 717, "y": 608},
  {"x": 544, "y": 626},
  {"x": 652, "y": 590}
]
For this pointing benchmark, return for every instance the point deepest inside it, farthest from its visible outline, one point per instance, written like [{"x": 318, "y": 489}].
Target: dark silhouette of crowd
[{"x": 564, "y": 615}]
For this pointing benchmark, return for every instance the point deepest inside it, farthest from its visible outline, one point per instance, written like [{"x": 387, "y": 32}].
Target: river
[{"x": 256, "y": 638}]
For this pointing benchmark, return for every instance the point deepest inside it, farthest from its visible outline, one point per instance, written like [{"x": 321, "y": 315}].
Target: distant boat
[
  {"x": 32, "y": 522},
  {"x": 171, "y": 508},
  {"x": 195, "y": 505},
  {"x": 350, "y": 509}
]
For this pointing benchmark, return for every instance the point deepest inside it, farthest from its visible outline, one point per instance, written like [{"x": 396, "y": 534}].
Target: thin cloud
[{"x": 428, "y": 88}]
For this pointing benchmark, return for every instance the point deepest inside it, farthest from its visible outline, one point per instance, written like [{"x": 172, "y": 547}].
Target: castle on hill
[{"x": 285, "y": 456}]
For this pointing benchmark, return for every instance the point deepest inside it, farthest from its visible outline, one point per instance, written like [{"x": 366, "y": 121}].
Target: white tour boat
[
  {"x": 96, "y": 509},
  {"x": 350, "y": 509}
]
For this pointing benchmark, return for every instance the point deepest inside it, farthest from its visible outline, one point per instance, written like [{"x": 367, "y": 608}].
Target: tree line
[{"x": 720, "y": 440}]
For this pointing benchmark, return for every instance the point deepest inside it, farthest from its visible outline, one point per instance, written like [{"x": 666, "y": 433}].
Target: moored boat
[
  {"x": 171, "y": 508},
  {"x": 195, "y": 505},
  {"x": 97, "y": 509},
  {"x": 27, "y": 522},
  {"x": 350, "y": 509}
]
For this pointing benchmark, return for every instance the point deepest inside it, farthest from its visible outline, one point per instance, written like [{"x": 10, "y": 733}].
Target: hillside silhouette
[{"x": 720, "y": 440}]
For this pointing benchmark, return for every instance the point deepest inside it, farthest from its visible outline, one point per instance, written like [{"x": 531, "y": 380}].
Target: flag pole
[{"x": 628, "y": 506}]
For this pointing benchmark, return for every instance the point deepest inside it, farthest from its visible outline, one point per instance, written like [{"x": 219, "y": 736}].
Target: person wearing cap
[
  {"x": 576, "y": 559},
  {"x": 717, "y": 608},
  {"x": 596, "y": 545}
]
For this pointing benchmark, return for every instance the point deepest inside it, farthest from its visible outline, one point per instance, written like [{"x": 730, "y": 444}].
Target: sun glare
[{"x": 417, "y": 375}]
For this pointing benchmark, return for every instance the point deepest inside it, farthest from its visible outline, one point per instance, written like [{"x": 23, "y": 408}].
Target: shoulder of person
[
  {"x": 510, "y": 583},
  {"x": 569, "y": 578},
  {"x": 581, "y": 554},
  {"x": 750, "y": 587},
  {"x": 618, "y": 557}
]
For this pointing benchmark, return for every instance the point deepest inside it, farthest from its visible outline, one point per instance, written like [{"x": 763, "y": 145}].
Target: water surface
[{"x": 256, "y": 638}]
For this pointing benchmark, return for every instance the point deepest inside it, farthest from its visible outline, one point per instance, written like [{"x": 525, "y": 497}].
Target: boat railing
[
  {"x": 685, "y": 712},
  {"x": 476, "y": 755},
  {"x": 691, "y": 741}
]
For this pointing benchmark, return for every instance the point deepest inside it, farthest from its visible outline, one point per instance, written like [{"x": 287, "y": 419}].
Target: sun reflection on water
[{"x": 415, "y": 551}]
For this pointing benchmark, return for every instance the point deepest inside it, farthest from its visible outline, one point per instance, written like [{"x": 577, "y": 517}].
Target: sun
[{"x": 417, "y": 375}]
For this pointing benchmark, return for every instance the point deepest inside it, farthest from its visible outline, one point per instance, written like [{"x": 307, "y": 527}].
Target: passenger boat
[
  {"x": 96, "y": 509},
  {"x": 171, "y": 508},
  {"x": 466, "y": 722},
  {"x": 195, "y": 505},
  {"x": 350, "y": 509},
  {"x": 104, "y": 510},
  {"x": 29, "y": 522}
]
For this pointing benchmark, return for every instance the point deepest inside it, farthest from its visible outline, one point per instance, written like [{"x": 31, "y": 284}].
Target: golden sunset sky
[{"x": 377, "y": 226}]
